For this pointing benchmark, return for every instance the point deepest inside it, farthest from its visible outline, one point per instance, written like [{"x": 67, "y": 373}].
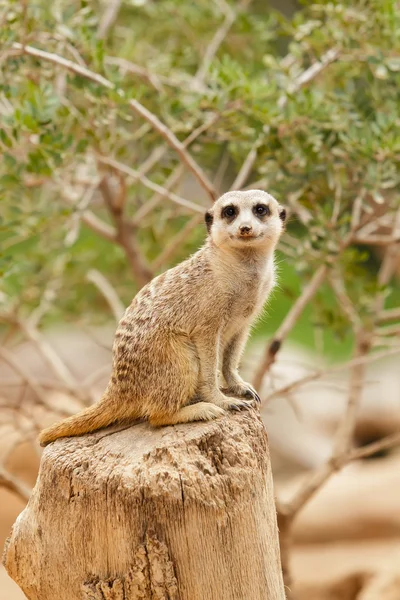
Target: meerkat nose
[{"x": 245, "y": 229}]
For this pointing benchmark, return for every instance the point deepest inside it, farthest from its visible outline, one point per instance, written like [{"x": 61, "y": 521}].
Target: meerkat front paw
[
  {"x": 228, "y": 403},
  {"x": 242, "y": 390}
]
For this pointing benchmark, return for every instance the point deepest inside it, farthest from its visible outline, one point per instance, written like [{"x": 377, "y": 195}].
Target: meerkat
[{"x": 186, "y": 330}]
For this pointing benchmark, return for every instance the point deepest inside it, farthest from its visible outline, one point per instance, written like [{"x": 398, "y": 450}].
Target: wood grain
[{"x": 178, "y": 513}]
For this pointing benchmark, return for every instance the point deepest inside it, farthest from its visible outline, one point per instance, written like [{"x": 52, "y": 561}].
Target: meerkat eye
[
  {"x": 262, "y": 210},
  {"x": 229, "y": 212}
]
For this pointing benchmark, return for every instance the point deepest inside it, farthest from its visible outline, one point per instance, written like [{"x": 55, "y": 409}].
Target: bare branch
[
  {"x": 63, "y": 62},
  {"x": 376, "y": 240},
  {"x": 108, "y": 18},
  {"x": 309, "y": 74},
  {"x": 291, "y": 318},
  {"x": 98, "y": 226},
  {"x": 336, "y": 463},
  {"x": 176, "y": 174},
  {"x": 173, "y": 141},
  {"x": 318, "y": 374},
  {"x": 344, "y": 434},
  {"x": 357, "y": 211},
  {"x": 342, "y": 451},
  {"x": 157, "y": 197},
  {"x": 345, "y": 303},
  {"x": 15, "y": 364},
  {"x": 154, "y": 79},
  {"x": 14, "y": 485},
  {"x": 138, "y": 108},
  {"x": 49, "y": 294},
  {"x": 52, "y": 359},
  {"x": 137, "y": 176},
  {"x": 107, "y": 290},
  {"x": 96, "y": 375},
  {"x": 246, "y": 167},
  {"x": 213, "y": 46},
  {"x": 392, "y": 314},
  {"x": 92, "y": 221},
  {"x": 176, "y": 242},
  {"x": 125, "y": 238},
  {"x": 388, "y": 330},
  {"x": 385, "y": 443}
]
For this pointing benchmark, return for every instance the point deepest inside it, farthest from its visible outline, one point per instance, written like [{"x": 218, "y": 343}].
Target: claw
[
  {"x": 235, "y": 407},
  {"x": 245, "y": 405},
  {"x": 252, "y": 395},
  {"x": 246, "y": 392}
]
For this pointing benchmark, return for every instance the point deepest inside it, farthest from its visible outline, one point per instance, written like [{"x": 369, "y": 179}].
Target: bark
[{"x": 178, "y": 513}]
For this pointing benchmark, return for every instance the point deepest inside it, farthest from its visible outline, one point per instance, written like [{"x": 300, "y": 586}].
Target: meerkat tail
[{"x": 91, "y": 419}]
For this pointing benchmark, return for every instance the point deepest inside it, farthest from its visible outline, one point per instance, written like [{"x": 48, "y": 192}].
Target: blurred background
[{"x": 121, "y": 122}]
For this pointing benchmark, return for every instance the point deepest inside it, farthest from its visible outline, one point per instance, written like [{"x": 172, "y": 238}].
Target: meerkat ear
[
  {"x": 282, "y": 214},
  {"x": 209, "y": 220}
]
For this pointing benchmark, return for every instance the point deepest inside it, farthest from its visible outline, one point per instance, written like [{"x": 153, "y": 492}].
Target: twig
[
  {"x": 213, "y": 46},
  {"x": 357, "y": 211},
  {"x": 79, "y": 208},
  {"x": 345, "y": 303},
  {"x": 173, "y": 141},
  {"x": 154, "y": 79},
  {"x": 63, "y": 62},
  {"x": 14, "y": 485},
  {"x": 391, "y": 314},
  {"x": 93, "y": 222},
  {"x": 52, "y": 359},
  {"x": 109, "y": 17},
  {"x": 138, "y": 108},
  {"x": 291, "y": 318},
  {"x": 125, "y": 238},
  {"x": 389, "y": 330},
  {"x": 176, "y": 174},
  {"x": 376, "y": 240},
  {"x": 363, "y": 360},
  {"x": 342, "y": 441},
  {"x": 137, "y": 176},
  {"x": 157, "y": 197},
  {"x": 290, "y": 509},
  {"x": 107, "y": 290},
  {"x": 344, "y": 433},
  {"x": 176, "y": 242},
  {"x": 342, "y": 447},
  {"x": 309, "y": 74},
  {"x": 99, "y": 226},
  {"x": 50, "y": 292},
  {"x": 385, "y": 443},
  {"x": 96, "y": 375},
  {"x": 246, "y": 167},
  {"x": 155, "y": 156},
  {"x": 15, "y": 364},
  {"x": 43, "y": 382}
]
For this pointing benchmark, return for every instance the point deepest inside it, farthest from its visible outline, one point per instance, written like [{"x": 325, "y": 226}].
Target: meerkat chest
[{"x": 248, "y": 294}]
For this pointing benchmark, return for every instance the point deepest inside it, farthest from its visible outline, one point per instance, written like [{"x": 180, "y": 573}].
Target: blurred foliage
[{"x": 320, "y": 146}]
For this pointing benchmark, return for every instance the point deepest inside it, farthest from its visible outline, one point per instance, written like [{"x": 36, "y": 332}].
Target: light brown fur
[{"x": 189, "y": 323}]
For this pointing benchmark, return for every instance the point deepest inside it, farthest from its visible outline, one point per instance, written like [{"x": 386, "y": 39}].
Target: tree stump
[{"x": 178, "y": 513}]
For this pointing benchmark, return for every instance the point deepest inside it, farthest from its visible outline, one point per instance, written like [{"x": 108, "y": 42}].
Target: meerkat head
[{"x": 251, "y": 219}]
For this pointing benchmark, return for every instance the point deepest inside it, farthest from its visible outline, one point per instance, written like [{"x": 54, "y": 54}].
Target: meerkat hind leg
[
  {"x": 201, "y": 411},
  {"x": 231, "y": 357}
]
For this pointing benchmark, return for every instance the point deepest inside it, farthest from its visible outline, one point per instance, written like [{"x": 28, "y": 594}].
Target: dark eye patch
[
  {"x": 261, "y": 210},
  {"x": 229, "y": 212}
]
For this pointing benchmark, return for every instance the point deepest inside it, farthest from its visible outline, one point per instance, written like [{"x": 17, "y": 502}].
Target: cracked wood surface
[{"x": 178, "y": 513}]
